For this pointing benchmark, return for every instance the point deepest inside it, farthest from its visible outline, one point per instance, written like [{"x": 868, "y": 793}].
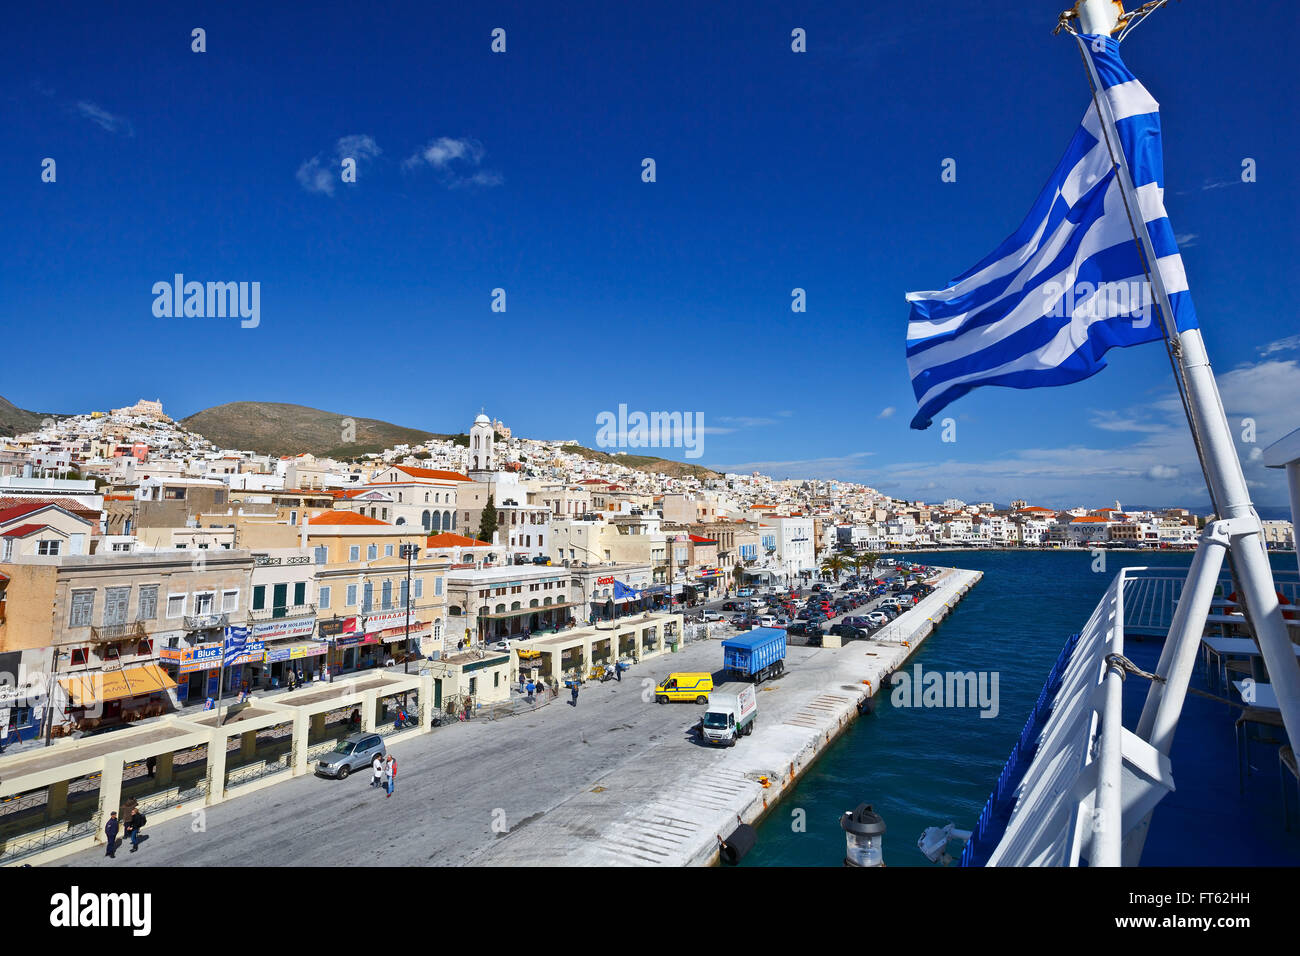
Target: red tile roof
[
  {"x": 23, "y": 530},
  {"x": 448, "y": 540},
  {"x": 17, "y": 511},
  {"x": 432, "y": 473},
  {"x": 331, "y": 518},
  {"x": 698, "y": 540}
]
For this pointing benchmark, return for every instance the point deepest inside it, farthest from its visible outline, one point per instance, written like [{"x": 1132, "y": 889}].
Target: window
[
  {"x": 419, "y": 588},
  {"x": 351, "y": 597},
  {"x": 323, "y": 597},
  {"x": 48, "y": 547},
  {"x": 388, "y": 550},
  {"x": 115, "y": 602},
  {"x": 83, "y": 605},
  {"x": 354, "y": 553},
  {"x": 386, "y": 596},
  {"x": 372, "y": 552},
  {"x": 402, "y": 595},
  {"x": 437, "y": 587},
  {"x": 148, "y": 609},
  {"x": 259, "y": 597},
  {"x": 322, "y": 555},
  {"x": 229, "y": 600},
  {"x": 299, "y": 593},
  {"x": 368, "y": 597},
  {"x": 293, "y": 517},
  {"x": 203, "y": 602},
  {"x": 78, "y": 656},
  {"x": 8, "y": 550},
  {"x": 175, "y": 605},
  {"x": 144, "y": 649}
]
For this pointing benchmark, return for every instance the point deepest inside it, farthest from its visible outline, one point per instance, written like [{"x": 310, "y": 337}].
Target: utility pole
[{"x": 409, "y": 551}]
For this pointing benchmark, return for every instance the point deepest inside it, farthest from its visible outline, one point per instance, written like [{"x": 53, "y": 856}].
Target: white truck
[{"x": 730, "y": 715}]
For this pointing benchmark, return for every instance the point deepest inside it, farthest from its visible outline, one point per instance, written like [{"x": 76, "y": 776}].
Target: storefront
[
  {"x": 109, "y": 697},
  {"x": 197, "y": 670},
  {"x": 281, "y": 638}
]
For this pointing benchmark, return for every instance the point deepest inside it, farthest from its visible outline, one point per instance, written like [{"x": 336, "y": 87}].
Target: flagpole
[{"x": 1236, "y": 516}]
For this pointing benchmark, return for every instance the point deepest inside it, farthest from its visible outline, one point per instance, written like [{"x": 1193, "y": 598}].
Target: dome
[{"x": 482, "y": 420}]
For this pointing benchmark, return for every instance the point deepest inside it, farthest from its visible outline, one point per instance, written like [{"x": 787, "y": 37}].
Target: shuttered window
[
  {"x": 83, "y": 605},
  {"x": 148, "y": 609},
  {"x": 115, "y": 603}
]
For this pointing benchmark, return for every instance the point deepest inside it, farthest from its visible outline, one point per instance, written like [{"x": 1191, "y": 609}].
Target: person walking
[
  {"x": 390, "y": 774},
  {"x": 531, "y": 688},
  {"x": 134, "y": 826},
  {"x": 377, "y": 771},
  {"x": 574, "y": 693},
  {"x": 110, "y": 831}
]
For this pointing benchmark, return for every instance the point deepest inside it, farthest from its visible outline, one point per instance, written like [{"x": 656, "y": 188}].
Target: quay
[
  {"x": 617, "y": 780},
  {"x": 668, "y": 806}
]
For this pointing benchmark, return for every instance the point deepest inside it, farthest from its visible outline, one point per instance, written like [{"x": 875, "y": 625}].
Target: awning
[{"x": 86, "y": 689}]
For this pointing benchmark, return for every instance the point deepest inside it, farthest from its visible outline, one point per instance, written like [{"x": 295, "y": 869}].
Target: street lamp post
[{"x": 409, "y": 551}]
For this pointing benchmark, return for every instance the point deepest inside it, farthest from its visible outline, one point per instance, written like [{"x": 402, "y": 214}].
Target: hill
[
  {"x": 647, "y": 463},
  {"x": 276, "y": 428},
  {"x": 15, "y": 420}
]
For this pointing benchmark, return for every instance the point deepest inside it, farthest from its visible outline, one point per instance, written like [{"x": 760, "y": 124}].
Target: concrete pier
[{"x": 669, "y": 806}]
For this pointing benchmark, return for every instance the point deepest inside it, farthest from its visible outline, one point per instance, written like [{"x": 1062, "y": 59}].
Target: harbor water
[{"x": 922, "y": 766}]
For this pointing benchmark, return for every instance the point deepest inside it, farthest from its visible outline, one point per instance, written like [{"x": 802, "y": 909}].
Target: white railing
[{"x": 1090, "y": 780}]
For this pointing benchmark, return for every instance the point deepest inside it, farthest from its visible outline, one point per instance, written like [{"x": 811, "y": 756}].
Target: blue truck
[{"x": 756, "y": 655}]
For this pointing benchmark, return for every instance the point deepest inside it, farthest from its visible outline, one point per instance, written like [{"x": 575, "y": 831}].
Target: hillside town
[{"x": 129, "y": 546}]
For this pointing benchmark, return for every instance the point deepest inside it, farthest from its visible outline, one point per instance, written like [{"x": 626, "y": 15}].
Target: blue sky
[{"x": 522, "y": 171}]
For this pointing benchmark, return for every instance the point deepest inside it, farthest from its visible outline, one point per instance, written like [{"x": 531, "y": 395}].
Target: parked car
[
  {"x": 351, "y": 753},
  {"x": 848, "y": 630},
  {"x": 709, "y": 615}
]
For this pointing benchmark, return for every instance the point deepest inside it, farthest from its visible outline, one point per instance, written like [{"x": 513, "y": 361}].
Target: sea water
[{"x": 927, "y": 766}]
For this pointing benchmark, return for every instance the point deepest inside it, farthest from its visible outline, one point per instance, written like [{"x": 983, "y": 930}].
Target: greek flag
[
  {"x": 234, "y": 645},
  {"x": 1069, "y": 284}
]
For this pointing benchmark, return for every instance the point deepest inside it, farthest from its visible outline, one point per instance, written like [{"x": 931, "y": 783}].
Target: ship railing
[
  {"x": 1151, "y": 596},
  {"x": 1077, "y": 780}
]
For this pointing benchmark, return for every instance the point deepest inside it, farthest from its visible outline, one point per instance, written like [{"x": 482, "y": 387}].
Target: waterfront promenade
[{"x": 619, "y": 780}]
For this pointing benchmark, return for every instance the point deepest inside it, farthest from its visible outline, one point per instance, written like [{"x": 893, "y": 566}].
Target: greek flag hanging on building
[
  {"x": 235, "y": 643},
  {"x": 1069, "y": 284}
]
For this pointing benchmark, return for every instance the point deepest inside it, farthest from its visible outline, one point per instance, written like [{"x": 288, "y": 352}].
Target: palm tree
[{"x": 833, "y": 566}]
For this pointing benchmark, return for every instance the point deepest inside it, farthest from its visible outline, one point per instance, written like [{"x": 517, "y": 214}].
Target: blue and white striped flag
[
  {"x": 1069, "y": 284},
  {"x": 235, "y": 643}
]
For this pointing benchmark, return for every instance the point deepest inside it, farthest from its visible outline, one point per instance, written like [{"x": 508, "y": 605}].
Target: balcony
[
  {"x": 106, "y": 633},
  {"x": 276, "y": 613},
  {"x": 201, "y": 622}
]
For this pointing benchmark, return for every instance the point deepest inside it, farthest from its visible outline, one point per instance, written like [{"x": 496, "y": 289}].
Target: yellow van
[{"x": 694, "y": 687}]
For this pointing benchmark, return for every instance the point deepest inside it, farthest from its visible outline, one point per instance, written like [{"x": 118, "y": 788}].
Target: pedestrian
[
  {"x": 618, "y": 673},
  {"x": 390, "y": 774},
  {"x": 574, "y": 692},
  {"x": 291, "y": 680},
  {"x": 377, "y": 770},
  {"x": 150, "y": 765},
  {"x": 110, "y": 831},
  {"x": 531, "y": 688},
  {"x": 521, "y": 682},
  {"x": 134, "y": 826}
]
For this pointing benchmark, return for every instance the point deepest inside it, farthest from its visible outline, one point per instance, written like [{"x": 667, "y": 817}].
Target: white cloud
[
  {"x": 887, "y": 412},
  {"x": 457, "y": 162},
  {"x": 1185, "y": 239},
  {"x": 104, "y": 119},
  {"x": 323, "y": 172},
  {"x": 1288, "y": 344}
]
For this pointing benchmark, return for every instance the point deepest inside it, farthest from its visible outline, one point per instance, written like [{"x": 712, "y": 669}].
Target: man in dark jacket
[
  {"x": 133, "y": 827},
  {"x": 110, "y": 831}
]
